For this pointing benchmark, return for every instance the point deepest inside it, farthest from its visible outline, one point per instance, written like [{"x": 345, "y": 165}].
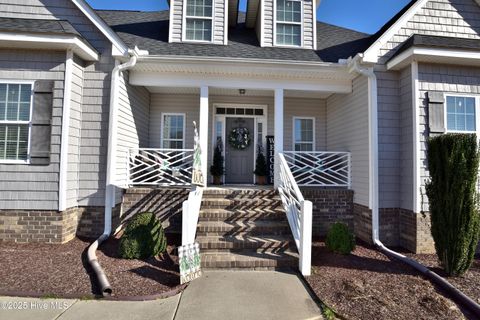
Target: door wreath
[{"x": 239, "y": 138}]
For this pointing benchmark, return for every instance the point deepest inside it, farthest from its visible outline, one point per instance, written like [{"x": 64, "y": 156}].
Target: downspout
[
  {"x": 103, "y": 282},
  {"x": 460, "y": 297}
]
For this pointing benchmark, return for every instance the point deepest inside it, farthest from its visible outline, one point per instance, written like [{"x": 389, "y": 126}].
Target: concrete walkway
[{"x": 217, "y": 295}]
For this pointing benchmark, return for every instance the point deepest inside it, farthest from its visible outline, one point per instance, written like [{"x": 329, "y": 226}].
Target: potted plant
[
  {"x": 261, "y": 170},
  {"x": 217, "y": 169}
]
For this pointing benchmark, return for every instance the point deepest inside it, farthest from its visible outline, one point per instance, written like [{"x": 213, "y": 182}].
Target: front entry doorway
[{"x": 239, "y": 162}]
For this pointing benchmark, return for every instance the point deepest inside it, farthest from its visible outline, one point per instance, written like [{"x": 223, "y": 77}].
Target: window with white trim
[
  {"x": 173, "y": 134},
  {"x": 15, "y": 121},
  {"x": 289, "y": 23},
  {"x": 198, "y": 20},
  {"x": 303, "y": 134},
  {"x": 461, "y": 114}
]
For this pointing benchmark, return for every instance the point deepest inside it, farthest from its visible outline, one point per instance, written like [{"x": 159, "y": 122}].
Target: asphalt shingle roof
[
  {"x": 37, "y": 26},
  {"x": 419, "y": 40},
  {"x": 149, "y": 31}
]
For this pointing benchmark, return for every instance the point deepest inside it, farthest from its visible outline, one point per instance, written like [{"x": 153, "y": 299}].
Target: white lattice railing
[
  {"x": 320, "y": 169},
  {"x": 299, "y": 215},
  {"x": 160, "y": 167}
]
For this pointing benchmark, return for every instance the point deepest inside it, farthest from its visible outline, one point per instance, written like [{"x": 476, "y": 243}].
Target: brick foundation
[
  {"x": 329, "y": 206},
  {"x": 24, "y": 226},
  {"x": 398, "y": 228},
  {"x": 165, "y": 203}
]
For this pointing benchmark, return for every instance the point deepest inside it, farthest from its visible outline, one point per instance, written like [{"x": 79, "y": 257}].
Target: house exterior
[{"x": 92, "y": 102}]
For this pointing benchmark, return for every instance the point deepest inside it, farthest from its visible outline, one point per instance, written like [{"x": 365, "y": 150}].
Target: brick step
[
  {"x": 241, "y": 215},
  {"x": 250, "y": 260},
  {"x": 241, "y": 193},
  {"x": 259, "y": 227},
  {"x": 241, "y": 204},
  {"x": 244, "y": 241}
]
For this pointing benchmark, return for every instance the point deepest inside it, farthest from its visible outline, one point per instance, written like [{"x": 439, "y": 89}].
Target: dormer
[
  {"x": 199, "y": 21},
  {"x": 284, "y": 23}
]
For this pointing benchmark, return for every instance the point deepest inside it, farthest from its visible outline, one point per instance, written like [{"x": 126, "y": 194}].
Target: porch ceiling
[
  {"x": 236, "y": 93},
  {"x": 235, "y": 74}
]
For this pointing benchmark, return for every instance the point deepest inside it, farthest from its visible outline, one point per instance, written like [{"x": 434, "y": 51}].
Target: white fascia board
[
  {"x": 372, "y": 53},
  {"x": 42, "y": 41},
  {"x": 453, "y": 56},
  {"x": 120, "y": 48},
  {"x": 155, "y": 79}
]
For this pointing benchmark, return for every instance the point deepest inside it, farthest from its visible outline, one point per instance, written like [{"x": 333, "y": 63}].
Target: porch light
[{"x": 242, "y": 91}]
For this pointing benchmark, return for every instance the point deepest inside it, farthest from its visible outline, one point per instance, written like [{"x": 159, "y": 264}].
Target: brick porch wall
[
  {"x": 415, "y": 232},
  {"x": 24, "y": 226},
  {"x": 329, "y": 206},
  {"x": 165, "y": 203}
]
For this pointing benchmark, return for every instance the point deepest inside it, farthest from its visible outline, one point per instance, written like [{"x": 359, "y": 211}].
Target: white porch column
[
  {"x": 203, "y": 130},
  {"x": 278, "y": 133}
]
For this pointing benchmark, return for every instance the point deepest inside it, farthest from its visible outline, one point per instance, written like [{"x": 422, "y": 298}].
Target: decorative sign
[
  {"x": 271, "y": 159},
  {"x": 197, "y": 175},
  {"x": 189, "y": 261}
]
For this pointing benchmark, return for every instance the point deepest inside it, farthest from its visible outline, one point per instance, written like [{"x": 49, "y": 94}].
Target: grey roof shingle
[
  {"x": 149, "y": 31},
  {"x": 419, "y": 40},
  {"x": 37, "y": 26}
]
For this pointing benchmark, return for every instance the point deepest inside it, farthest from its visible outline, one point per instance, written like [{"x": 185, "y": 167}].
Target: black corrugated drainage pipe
[
  {"x": 102, "y": 279},
  {"x": 457, "y": 295}
]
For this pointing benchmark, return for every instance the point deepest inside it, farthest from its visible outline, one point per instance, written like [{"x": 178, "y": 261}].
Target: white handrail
[
  {"x": 190, "y": 215},
  {"x": 299, "y": 215}
]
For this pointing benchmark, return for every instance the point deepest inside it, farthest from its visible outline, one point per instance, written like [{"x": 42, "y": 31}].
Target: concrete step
[
  {"x": 244, "y": 241},
  {"x": 250, "y": 260},
  {"x": 219, "y": 214},
  {"x": 239, "y": 192},
  {"x": 259, "y": 227}
]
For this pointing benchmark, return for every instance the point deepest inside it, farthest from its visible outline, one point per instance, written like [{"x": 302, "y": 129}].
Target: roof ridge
[{"x": 344, "y": 28}]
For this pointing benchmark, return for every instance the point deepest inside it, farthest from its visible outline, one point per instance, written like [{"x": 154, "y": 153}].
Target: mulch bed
[
  {"x": 368, "y": 285},
  {"x": 48, "y": 270}
]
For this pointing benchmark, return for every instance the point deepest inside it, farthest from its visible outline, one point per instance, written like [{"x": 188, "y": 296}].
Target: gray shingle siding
[
  {"x": 406, "y": 141},
  {"x": 444, "y": 79},
  {"x": 448, "y": 18},
  {"x": 27, "y": 186},
  {"x": 92, "y": 131}
]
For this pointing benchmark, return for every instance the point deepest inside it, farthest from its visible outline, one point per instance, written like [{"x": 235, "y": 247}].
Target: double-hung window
[
  {"x": 289, "y": 23},
  {"x": 173, "y": 133},
  {"x": 15, "y": 121},
  {"x": 303, "y": 134},
  {"x": 461, "y": 114},
  {"x": 199, "y": 20}
]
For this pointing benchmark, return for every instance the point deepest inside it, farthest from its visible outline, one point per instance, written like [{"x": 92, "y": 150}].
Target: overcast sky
[{"x": 362, "y": 15}]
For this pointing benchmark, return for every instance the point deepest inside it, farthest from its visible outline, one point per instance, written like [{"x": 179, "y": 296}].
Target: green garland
[{"x": 239, "y": 138}]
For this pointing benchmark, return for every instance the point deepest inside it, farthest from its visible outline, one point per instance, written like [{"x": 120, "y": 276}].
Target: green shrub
[
  {"x": 453, "y": 165},
  {"x": 340, "y": 239},
  {"x": 143, "y": 238}
]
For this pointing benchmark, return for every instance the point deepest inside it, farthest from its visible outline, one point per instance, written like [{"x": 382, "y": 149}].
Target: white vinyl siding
[
  {"x": 347, "y": 130},
  {"x": 15, "y": 121}
]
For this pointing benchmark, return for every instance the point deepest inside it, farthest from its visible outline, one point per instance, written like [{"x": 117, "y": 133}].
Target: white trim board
[
  {"x": 434, "y": 55},
  {"x": 67, "y": 101},
  {"x": 119, "y": 48},
  {"x": 372, "y": 54},
  {"x": 52, "y": 42}
]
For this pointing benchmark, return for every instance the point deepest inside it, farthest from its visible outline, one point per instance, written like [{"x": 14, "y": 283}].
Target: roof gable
[
  {"x": 119, "y": 47},
  {"x": 445, "y": 18}
]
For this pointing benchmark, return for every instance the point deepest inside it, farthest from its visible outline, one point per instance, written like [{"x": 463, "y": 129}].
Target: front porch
[{"x": 312, "y": 125}]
